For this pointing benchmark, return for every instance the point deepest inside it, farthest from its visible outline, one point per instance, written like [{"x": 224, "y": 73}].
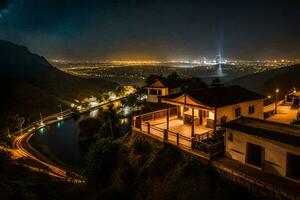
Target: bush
[
  {"x": 166, "y": 159},
  {"x": 100, "y": 161},
  {"x": 89, "y": 127},
  {"x": 142, "y": 146},
  {"x": 4, "y": 157},
  {"x": 192, "y": 169},
  {"x": 128, "y": 174}
]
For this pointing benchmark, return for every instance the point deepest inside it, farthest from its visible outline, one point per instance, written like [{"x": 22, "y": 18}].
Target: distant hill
[
  {"x": 265, "y": 82},
  {"x": 30, "y": 85}
]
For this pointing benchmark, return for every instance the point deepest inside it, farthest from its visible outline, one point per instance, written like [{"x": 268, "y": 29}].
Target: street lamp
[
  {"x": 61, "y": 113},
  {"x": 276, "y": 99},
  {"x": 42, "y": 122}
]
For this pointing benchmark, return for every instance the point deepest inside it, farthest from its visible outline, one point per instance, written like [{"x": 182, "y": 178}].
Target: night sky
[{"x": 153, "y": 29}]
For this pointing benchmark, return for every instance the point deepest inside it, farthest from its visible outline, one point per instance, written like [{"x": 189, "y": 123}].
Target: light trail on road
[{"x": 20, "y": 144}]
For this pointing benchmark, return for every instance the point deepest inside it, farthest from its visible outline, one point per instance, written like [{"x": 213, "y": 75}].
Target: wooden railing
[
  {"x": 210, "y": 144},
  {"x": 159, "y": 114}
]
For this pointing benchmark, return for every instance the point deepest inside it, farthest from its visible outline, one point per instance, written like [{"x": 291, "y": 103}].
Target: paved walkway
[{"x": 284, "y": 115}]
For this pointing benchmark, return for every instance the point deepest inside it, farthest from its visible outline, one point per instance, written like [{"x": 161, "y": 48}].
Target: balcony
[{"x": 166, "y": 125}]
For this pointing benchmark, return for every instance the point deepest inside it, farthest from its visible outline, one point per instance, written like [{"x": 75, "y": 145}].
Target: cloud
[{"x": 8, "y": 7}]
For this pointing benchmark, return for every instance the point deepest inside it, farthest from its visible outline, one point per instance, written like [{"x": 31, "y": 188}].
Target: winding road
[
  {"x": 36, "y": 160},
  {"x": 22, "y": 148}
]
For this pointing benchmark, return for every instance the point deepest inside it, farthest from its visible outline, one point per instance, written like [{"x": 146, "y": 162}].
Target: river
[{"x": 61, "y": 141}]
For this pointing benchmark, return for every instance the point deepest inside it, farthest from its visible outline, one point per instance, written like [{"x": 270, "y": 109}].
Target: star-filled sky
[{"x": 153, "y": 29}]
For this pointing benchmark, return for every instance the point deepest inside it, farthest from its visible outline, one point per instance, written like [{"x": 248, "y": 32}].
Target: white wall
[
  {"x": 229, "y": 111},
  {"x": 154, "y": 98},
  {"x": 275, "y": 160}
]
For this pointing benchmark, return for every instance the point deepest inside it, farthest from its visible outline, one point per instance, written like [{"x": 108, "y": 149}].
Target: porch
[{"x": 168, "y": 125}]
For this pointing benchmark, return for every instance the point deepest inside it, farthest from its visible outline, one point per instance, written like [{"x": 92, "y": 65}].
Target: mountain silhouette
[{"x": 30, "y": 84}]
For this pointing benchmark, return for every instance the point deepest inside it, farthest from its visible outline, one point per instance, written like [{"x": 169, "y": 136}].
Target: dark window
[
  {"x": 237, "y": 112},
  {"x": 293, "y": 166},
  {"x": 159, "y": 92},
  {"x": 254, "y": 155},
  {"x": 230, "y": 137},
  {"x": 251, "y": 110},
  {"x": 153, "y": 92},
  {"x": 204, "y": 113}
]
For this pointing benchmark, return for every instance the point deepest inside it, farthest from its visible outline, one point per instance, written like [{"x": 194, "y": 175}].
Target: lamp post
[
  {"x": 61, "y": 113},
  {"x": 41, "y": 116},
  {"x": 276, "y": 99}
]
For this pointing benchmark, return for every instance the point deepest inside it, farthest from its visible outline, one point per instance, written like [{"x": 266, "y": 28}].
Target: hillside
[
  {"x": 138, "y": 167},
  {"x": 265, "y": 83},
  {"x": 31, "y": 85}
]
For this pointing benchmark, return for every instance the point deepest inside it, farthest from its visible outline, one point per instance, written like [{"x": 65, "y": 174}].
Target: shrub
[
  {"x": 4, "y": 156},
  {"x": 100, "y": 161},
  {"x": 142, "y": 146},
  {"x": 89, "y": 127},
  {"x": 192, "y": 168},
  {"x": 128, "y": 174},
  {"x": 166, "y": 159}
]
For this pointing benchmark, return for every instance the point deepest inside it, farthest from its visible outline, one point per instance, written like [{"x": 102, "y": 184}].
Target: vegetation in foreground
[{"x": 134, "y": 167}]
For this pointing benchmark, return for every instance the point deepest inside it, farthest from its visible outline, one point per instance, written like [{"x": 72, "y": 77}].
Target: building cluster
[{"x": 224, "y": 120}]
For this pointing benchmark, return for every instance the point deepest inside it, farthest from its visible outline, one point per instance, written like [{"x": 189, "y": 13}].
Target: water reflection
[
  {"x": 63, "y": 141},
  {"x": 59, "y": 124},
  {"x": 42, "y": 131}
]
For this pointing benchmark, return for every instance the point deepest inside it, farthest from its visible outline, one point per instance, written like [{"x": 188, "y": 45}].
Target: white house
[
  {"x": 161, "y": 87},
  {"x": 268, "y": 146},
  {"x": 212, "y": 106}
]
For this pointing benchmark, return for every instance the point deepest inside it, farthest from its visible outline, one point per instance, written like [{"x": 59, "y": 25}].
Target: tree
[
  {"x": 152, "y": 77},
  {"x": 100, "y": 161},
  {"x": 111, "y": 121},
  {"x": 195, "y": 83},
  {"x": 15, "y": 122},
  {"x": 120, "y": 91},
  {"x": 217, "y": 83},
  {"x": 173, "y": 76},
  {"x": 89, "y": 127}
]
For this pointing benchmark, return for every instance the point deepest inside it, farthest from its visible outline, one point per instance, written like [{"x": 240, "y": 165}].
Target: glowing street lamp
[
  {"x": 276, "y": 99},
  {"x": 41, "y": 123},
  {"x": 61, "y": 113}
]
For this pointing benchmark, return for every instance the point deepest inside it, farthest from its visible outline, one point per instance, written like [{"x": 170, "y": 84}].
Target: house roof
[
  {"x": 270, "y": 130},
  {"x": 165, "y": 83},
  {"x": 219, "y": 96}
]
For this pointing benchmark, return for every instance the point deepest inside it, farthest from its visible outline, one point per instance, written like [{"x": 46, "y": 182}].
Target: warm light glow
[
  {"x": 60, "y": 118},
  {"x": 277, "y": 90},
  {"x": 269, "y": 96}
]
